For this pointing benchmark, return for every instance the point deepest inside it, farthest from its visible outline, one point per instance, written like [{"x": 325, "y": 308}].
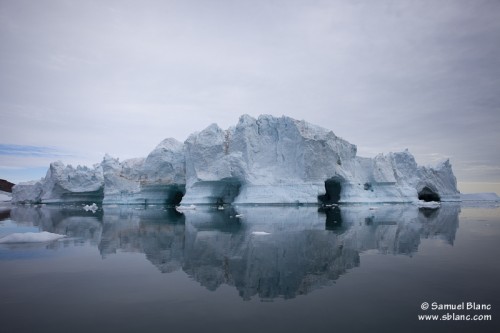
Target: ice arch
[{"x": 226, "y": 190}]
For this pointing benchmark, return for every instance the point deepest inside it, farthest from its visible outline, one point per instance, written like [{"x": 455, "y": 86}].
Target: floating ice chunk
[
  {"x": 267, "y": 160},
  {"x": 238, "y": 215},
  {"x": 93, "y": 208},
  {"x": 330, "y": 205},
  {"x": 30, "y": 237},
  {"x": 429, "y": 204},
  {"x": 260, "y": 233},
  {"x": 183, "y": 208}
]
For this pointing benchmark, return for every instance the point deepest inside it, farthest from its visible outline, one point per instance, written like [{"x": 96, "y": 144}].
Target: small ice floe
[
  {"x": 180, "y": 209},
  {"x": 30, "y": 237},
  {"x": 220, "y": 207},
  {"x": 238, "y": 215},
  {"x": 260, "y": 233},
  {"x": 330, "y": 205},
  {"x": 93, "y": 208},
  {"x": 428, "y": 204}
]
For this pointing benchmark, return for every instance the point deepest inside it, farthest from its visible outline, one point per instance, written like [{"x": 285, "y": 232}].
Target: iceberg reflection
[{"x": 266, "y": 251}]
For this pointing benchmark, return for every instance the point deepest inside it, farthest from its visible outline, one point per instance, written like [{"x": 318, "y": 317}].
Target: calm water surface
[{"x": 274, "y": 269}]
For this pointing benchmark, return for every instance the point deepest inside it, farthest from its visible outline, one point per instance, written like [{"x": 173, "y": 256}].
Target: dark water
[{"x": 275, "y": 269}]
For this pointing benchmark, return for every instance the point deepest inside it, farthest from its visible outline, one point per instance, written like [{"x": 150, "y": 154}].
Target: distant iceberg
[
  {"x": 479, "y": 197},
  {"x": 267, "y": 160},
  {"x": 30, "y": 237},
  {"x": 5, "y": 196}
]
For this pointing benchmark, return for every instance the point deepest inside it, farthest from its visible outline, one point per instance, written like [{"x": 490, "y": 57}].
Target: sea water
[{"x": 353, "y": 268}]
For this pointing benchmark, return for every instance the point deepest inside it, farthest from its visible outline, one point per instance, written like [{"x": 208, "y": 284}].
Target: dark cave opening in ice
[
  {"x": 427, "y": 194},
  {"x": 333, "y": 188},
  {"x": 169, "y": 195},
  {"x": 222, "y": 191},
  {"x": 226, "y": 190}
]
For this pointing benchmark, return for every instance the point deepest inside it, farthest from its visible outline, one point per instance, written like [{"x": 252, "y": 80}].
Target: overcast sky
[{"x": 79, "y": 79}]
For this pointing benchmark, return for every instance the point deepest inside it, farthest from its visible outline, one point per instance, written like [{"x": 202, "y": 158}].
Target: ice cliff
[{"x": 267, "y": 160}]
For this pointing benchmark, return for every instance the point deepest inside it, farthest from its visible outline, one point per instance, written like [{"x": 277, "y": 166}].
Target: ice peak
[
  {"x": 246, "y": 119},
  {"x": 169, "y": 144}
]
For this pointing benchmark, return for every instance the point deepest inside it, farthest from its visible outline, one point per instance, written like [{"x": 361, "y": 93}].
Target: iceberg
[
  {"x": 480, "y": 197},
  {"x": 264, "y": 160},
  {"x": 285, "y": 161},
  {"x": 30, "y": 237},
  {"x": 62, "y": 184}
]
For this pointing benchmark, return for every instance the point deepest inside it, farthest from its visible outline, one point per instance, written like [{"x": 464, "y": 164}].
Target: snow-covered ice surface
[
  {"x": 30, "y": 237},
  {"x": 267, "y": 160}
]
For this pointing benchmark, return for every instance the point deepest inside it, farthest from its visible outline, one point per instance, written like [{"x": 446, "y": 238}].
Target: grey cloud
[{"x": 119, "y": 76}]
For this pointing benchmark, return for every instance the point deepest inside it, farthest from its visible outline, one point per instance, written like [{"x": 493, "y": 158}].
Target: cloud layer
[{"x": 91, "y": 77}]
